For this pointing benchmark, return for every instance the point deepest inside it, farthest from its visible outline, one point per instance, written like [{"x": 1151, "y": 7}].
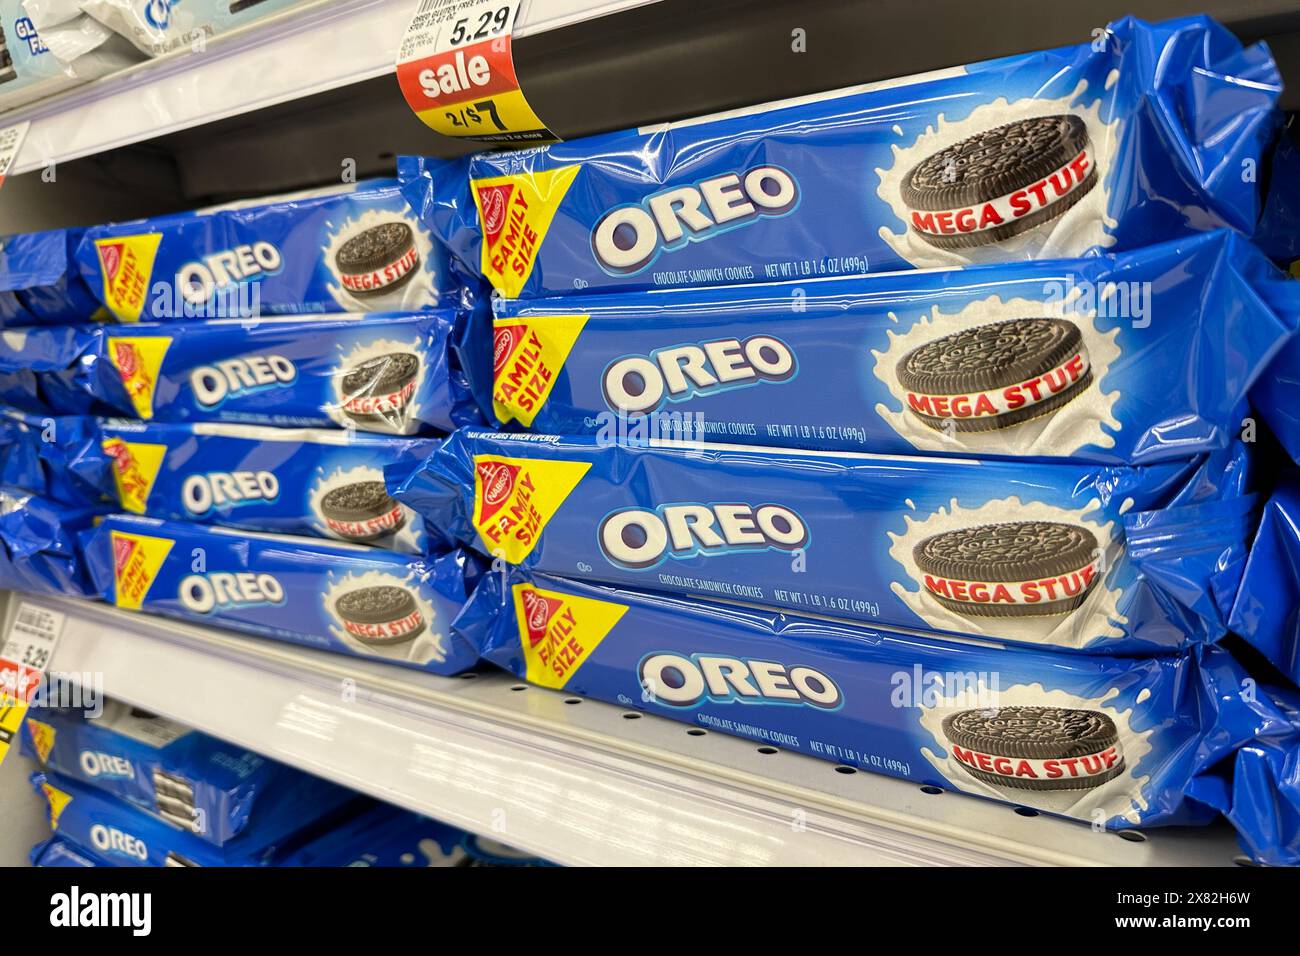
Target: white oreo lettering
[
  {"x": 213, "y": 384},
  {"x": 681, "y": 681},
  {"x": 202, "y": 493},
  {"x": 95, "y": 763},
  {"x": 112, "y": 840},
  {"x": 637, "y": 538},
  {"x": 641, "y": 383},
  {"x": 204, "y": 593},
  {"x": 628, "y": 239},
  {"x": 198, "y": 280}
]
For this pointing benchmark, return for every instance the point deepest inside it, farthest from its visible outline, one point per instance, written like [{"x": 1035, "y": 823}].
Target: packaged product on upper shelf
[
  {"x": 397, "y": 373},
  {"x": 313, "y": 481},
  {"x": 1120, "y": 742},
  {"x": 183, "y": 777},
  {"x": 160, "y": 26},
  {"x": 1099, "y": 558},
  {"x": 40, "y": 283},
  {"x": 1058, "y": 359},
  {"x": 352, "y": 248},
  {"x": 1145, "y": 133},
  {"x": 39, "y": 552},
  {"x": 35, "y": 64},
  {"x": 346, "y": 598}
]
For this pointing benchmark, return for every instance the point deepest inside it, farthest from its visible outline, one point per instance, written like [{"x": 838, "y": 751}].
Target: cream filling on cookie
[
  {"x": 368, "y": 527},
  {"x": 381, "y": 278},
  {"x": 1054, "y": 768},
  {"x": 1044, "y": 590},
  {"x": 400, "y": 627},
  {"x": 379, "y": 404},
  {"x": 1007, "y": 398},
  {"x": 992, "y": 213}
]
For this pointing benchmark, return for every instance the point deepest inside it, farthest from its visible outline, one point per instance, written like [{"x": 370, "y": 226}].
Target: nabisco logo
[
  {"x": 110, "y": 259},
  {"x": 504, "y": 340},
  {"x": 538, "y": 612},
  {"x": 493, "y": 201},
  {"x": 122, "y": 550},
  {"x": 117, "y": 449},
  {"x": 497, "y": 480}
]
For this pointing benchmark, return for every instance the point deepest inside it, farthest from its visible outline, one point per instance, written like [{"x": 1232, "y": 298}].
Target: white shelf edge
[
  {"x": 339, "y": 42},
  {"x": 578, "y": 784}
]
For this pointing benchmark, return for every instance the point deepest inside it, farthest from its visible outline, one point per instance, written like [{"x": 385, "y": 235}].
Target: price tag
[
  {"x": 11, "y": 140},
  {"x": 25, "y": 654},
  {"x": 456, "y": 69}
]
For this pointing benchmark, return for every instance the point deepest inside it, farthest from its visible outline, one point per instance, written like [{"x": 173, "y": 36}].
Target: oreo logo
[
  {"x": 223, "y": 590},
  {"x": 229, "y": 378},
  {"x": 202, "y": 493},
  {"x": 198, "y": 280},
  {"x": 680, "y": 681},
  {"x": 637, "y": 538},
  {"x": 642, "y": 383},
  {"x": 95, "y": 763},
  {"x": 626, "y": 240},
  {"x": 112, "y": 840}
]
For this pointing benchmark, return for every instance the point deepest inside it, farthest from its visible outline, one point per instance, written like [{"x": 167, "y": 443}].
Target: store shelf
[
  {"x": 579, "y": 783},
  {"x": 302, "y": 52}
]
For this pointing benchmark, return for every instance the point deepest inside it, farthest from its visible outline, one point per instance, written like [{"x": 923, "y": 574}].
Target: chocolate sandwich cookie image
[
  {"x": 995, "y": 375},
  {"x": 379, "y": 390},
  {"x": 379, "y": 260},
  {"x": 362, "y": 511},
  {"x": 381, "y": 616},
  {"x": 1000, "y": 183},
  {"x": 1015, "y": 569},
  {"x": 1036, "y": 748}
]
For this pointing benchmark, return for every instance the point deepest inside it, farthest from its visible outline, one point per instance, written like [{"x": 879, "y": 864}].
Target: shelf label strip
[
  {"x": 455, "y": 67},
  {"x": 11, "y": 141}
]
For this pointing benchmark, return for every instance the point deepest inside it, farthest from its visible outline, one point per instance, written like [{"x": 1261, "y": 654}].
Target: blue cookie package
[
  {"x": 1148, "y": 132},
  {"x": 56, "y": 457},
  {"x": 1112, "y": 740},
  {"x": 1267, "y": 608},
  {"x": 346, "y": 598},
  {"x": 39, "y": 552},
  {"x": 185, "y": 778},
  {"x": 396, "y": 373},
  {"x": 383, "y": 836},
  {"x": 40, "y": 282},
  {"x": 124, "y": 835},
  {"x": 1099, "y": 558},
  {"x": 356, "y": 248},
  {"x": 322, "y": 482},
  {"x": 58, "y": 852},
  {"x": 1132, "y": 357}
]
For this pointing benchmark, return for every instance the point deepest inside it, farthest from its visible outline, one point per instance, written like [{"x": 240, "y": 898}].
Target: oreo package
[
  {"x": 1267, "y": 609},
  {"x": 1070, "y": 555},
  {"x": 356, "y": 248},
  {"x": 56, "y": 457},
  {"x": 312, "y": 481},
  {"x": 58, "y": 852},
  {"x": 1068, "y": 359},
  {"x": 161, "y": 26},
  {"x": 185, "y": 778},
  {"x": 122, "y": 834},
  {"x": 38, "y": 545},
  {"x": 36, "y": 64},
  {"x": 394, "y": 373},
  {"x": 1108, "y": 740},
  {"x": 345, "y": 598},
  {"x": 1117, "y": 143},
  {"x": 40, "y": 282}
]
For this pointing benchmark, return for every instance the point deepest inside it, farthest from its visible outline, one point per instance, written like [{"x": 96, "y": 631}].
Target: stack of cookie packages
[{"x": 742, "y": 456}]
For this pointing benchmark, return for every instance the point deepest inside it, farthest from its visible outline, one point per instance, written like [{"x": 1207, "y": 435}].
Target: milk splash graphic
[
  {"x": 409, "y": 539},
  {"x": 1097, "y": 618},
  {"x": 1087, "y": 419},
  {"x": 1083, "y": 226},
  {"x": 408, "y": 418},
  {"x": 1120, "y": 798},
  {"x": 429, "y": 645},
  {"x": 419, "y": 293}
]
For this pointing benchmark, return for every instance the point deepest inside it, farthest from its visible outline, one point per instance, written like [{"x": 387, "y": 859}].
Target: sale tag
[
  {"x": 456, "y": 69},
  {"x": 11, "y": 140},
  {"x": 25, "y": 654}
]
